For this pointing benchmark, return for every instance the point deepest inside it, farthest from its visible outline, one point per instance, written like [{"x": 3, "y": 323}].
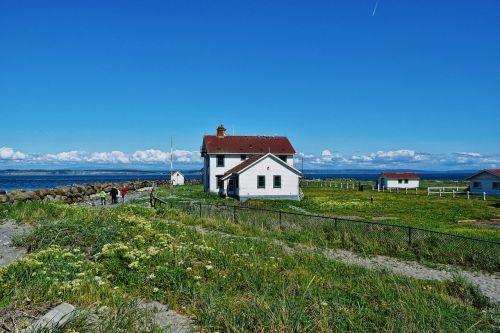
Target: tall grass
[{"x": 227, "y": 284}]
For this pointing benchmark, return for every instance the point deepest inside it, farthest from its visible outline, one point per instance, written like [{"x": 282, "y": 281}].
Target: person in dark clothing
[{"x": 114, "y": 195}]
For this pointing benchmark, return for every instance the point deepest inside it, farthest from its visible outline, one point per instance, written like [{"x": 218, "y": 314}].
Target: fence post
[
  {"x": 234, "y": 214},
  {"x": 200, "y": 210},
  {"x": 468, "y": 195},
  {"x": 484, "y": 195},
  {"x": 453, "y": 193},
  {"x": 171, "y": 204},
  {"x": 335, "y": 221},
  {"x": 409, "y": 236},
  {"x": 406, "y": 190},
  {"x": 280, "y": 219},
  {"x": 428, "y": 191}
]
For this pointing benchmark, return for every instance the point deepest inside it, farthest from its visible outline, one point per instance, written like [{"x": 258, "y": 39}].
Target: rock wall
[{"x": 74, "y": 193}]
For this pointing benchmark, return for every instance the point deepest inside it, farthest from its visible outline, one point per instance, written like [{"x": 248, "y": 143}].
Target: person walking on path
[
  {"x": 102, "y": 195},
  {"x": 114, "y": 195},
  {"x": 124, "y": 192}
]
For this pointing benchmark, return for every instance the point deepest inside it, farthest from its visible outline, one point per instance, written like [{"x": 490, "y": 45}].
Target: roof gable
[
  {"x": 247, "y": 164},
  {"x": 399, "y": 175},
  {"x": 236, "y": 144},
  {"x": 493, "y": 172}
]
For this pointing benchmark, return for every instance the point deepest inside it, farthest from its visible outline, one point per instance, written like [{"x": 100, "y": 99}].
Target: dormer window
[{"x": 282, "y": 157}]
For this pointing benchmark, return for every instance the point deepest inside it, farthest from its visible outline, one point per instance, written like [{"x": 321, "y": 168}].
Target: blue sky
[{"x": 93, "y": 83}]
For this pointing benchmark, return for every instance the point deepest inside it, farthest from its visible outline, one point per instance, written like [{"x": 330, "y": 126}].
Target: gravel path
[
  {"x": 8, "y": 230},
  {"x": 94, "y": 201},
  {"x": 489, "y": 284}
]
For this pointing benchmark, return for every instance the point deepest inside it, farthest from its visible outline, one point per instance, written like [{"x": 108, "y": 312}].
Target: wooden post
[
  {"x": 428, "y": 191},
  {"x": 280, "y": 219},
  {"x": 468, "y": 195},
  {"x": 200, "y": 210},
  {"x": 440, "y": 192},
  {"x": 234, "y": 214},
  {"x": 406, "y": 190},
  {"x": 484, "y": 195},
  {"x": 409, "y": 236},
  {"x": 453, "y": 193}
]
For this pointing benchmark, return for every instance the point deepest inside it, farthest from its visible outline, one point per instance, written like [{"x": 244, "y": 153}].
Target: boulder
[
  {"x": 23, "y": 195},
  {"x": 42, "y": 193},
  {"x": 61, "y": 191},
  {"x": 4, "y": 198},
  {"x": 3, "y": 192}
]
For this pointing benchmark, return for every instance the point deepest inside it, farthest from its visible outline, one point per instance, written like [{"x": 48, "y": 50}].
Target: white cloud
[
  {"x": 7, "y": 153},
  {"x": 403, "y": 158},
  {"x": 149, "y": 156}
]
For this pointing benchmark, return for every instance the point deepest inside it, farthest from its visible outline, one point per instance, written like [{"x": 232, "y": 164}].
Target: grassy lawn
[
  {"x": 103, "y": 259},
  {"x": 435, "y": 213}
]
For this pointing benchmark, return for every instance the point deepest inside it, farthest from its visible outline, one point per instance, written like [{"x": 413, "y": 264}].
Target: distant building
[
  {"x": 177, "y": 178},
  {"x": 485, "y": 181},
  {"x": 398, "y": 180},
  {"x": 249, "y": 166}
]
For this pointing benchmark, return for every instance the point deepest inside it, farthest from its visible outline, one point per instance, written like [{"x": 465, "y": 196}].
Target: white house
[
  {"x": 398, "y": 180},
  {"x": 485, "y": 181},
  {"x": 177, "y": 178},
  {"x": 249, "y": 166}
]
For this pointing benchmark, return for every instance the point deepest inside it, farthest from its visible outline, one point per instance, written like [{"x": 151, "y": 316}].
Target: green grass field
[
  {"x": 434, "y": 212},
  {"x": 102, "y": 260}
]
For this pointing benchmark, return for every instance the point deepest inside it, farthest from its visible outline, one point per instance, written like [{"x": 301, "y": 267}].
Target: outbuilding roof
[
  {"x": 494, "y": 172},
  {"x": 236, "y": 144},
  {"x": 400, "y": 175}
]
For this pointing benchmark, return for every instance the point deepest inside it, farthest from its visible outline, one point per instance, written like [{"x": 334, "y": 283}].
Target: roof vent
[{"x": 221, "y": 131}]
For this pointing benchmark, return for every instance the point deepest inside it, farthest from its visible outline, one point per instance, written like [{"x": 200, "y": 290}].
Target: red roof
[
  {"x": 243, "y": 165},
  {"x": 496, "y": 172},
  {"x": 400, "y": 175},
  {"x": 236, "y": 144}
]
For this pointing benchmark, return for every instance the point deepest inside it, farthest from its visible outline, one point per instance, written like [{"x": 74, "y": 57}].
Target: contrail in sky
[{"x": 375, "y": 9}]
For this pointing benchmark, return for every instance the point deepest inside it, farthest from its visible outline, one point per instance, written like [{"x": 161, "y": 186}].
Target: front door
[{"x": 230, "y": 186}]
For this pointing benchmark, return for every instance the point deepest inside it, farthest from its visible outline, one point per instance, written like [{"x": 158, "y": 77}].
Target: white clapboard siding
[
  {"x": 485, "y": 181},
  {"x": 268, "y": 167}
]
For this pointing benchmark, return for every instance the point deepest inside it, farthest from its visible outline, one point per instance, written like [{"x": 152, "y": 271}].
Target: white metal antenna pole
[{"x": 171, "y": 159}]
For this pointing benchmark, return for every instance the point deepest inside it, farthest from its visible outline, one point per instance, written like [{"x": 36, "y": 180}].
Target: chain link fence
[{"x": 357, "y": 235}]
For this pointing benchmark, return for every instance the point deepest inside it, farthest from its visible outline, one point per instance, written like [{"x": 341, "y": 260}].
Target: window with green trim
[
  {"x": 261, "y": 181},
  {"x": 277, "y": 182},
  {"x": 220, "y": 160},
  {"x": 220, "y": 183}
]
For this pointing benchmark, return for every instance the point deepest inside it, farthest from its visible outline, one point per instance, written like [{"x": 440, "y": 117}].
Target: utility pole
[{"x": 171, "y": 161}]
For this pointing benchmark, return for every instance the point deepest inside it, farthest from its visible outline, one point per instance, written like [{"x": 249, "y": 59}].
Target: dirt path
[
  {"x": 8, "y": 230},
  {"x": 489, "y": 284}
]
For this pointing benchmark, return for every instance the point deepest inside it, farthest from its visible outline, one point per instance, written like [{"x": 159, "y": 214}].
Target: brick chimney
[{"x": 221, "y": 131}]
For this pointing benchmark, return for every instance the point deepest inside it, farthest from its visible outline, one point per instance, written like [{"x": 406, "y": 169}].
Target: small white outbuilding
[
  {"x": 397, "y": 180},
  {"x": 485, "y": 181},
  {"x": 177, "y": 178}
]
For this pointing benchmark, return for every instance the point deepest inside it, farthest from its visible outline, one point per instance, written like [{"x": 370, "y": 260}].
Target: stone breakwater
[{"x": 73, "y": 193}]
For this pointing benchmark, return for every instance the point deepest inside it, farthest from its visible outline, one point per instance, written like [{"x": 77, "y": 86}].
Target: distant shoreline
[{"x": 198, "y": 172}]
